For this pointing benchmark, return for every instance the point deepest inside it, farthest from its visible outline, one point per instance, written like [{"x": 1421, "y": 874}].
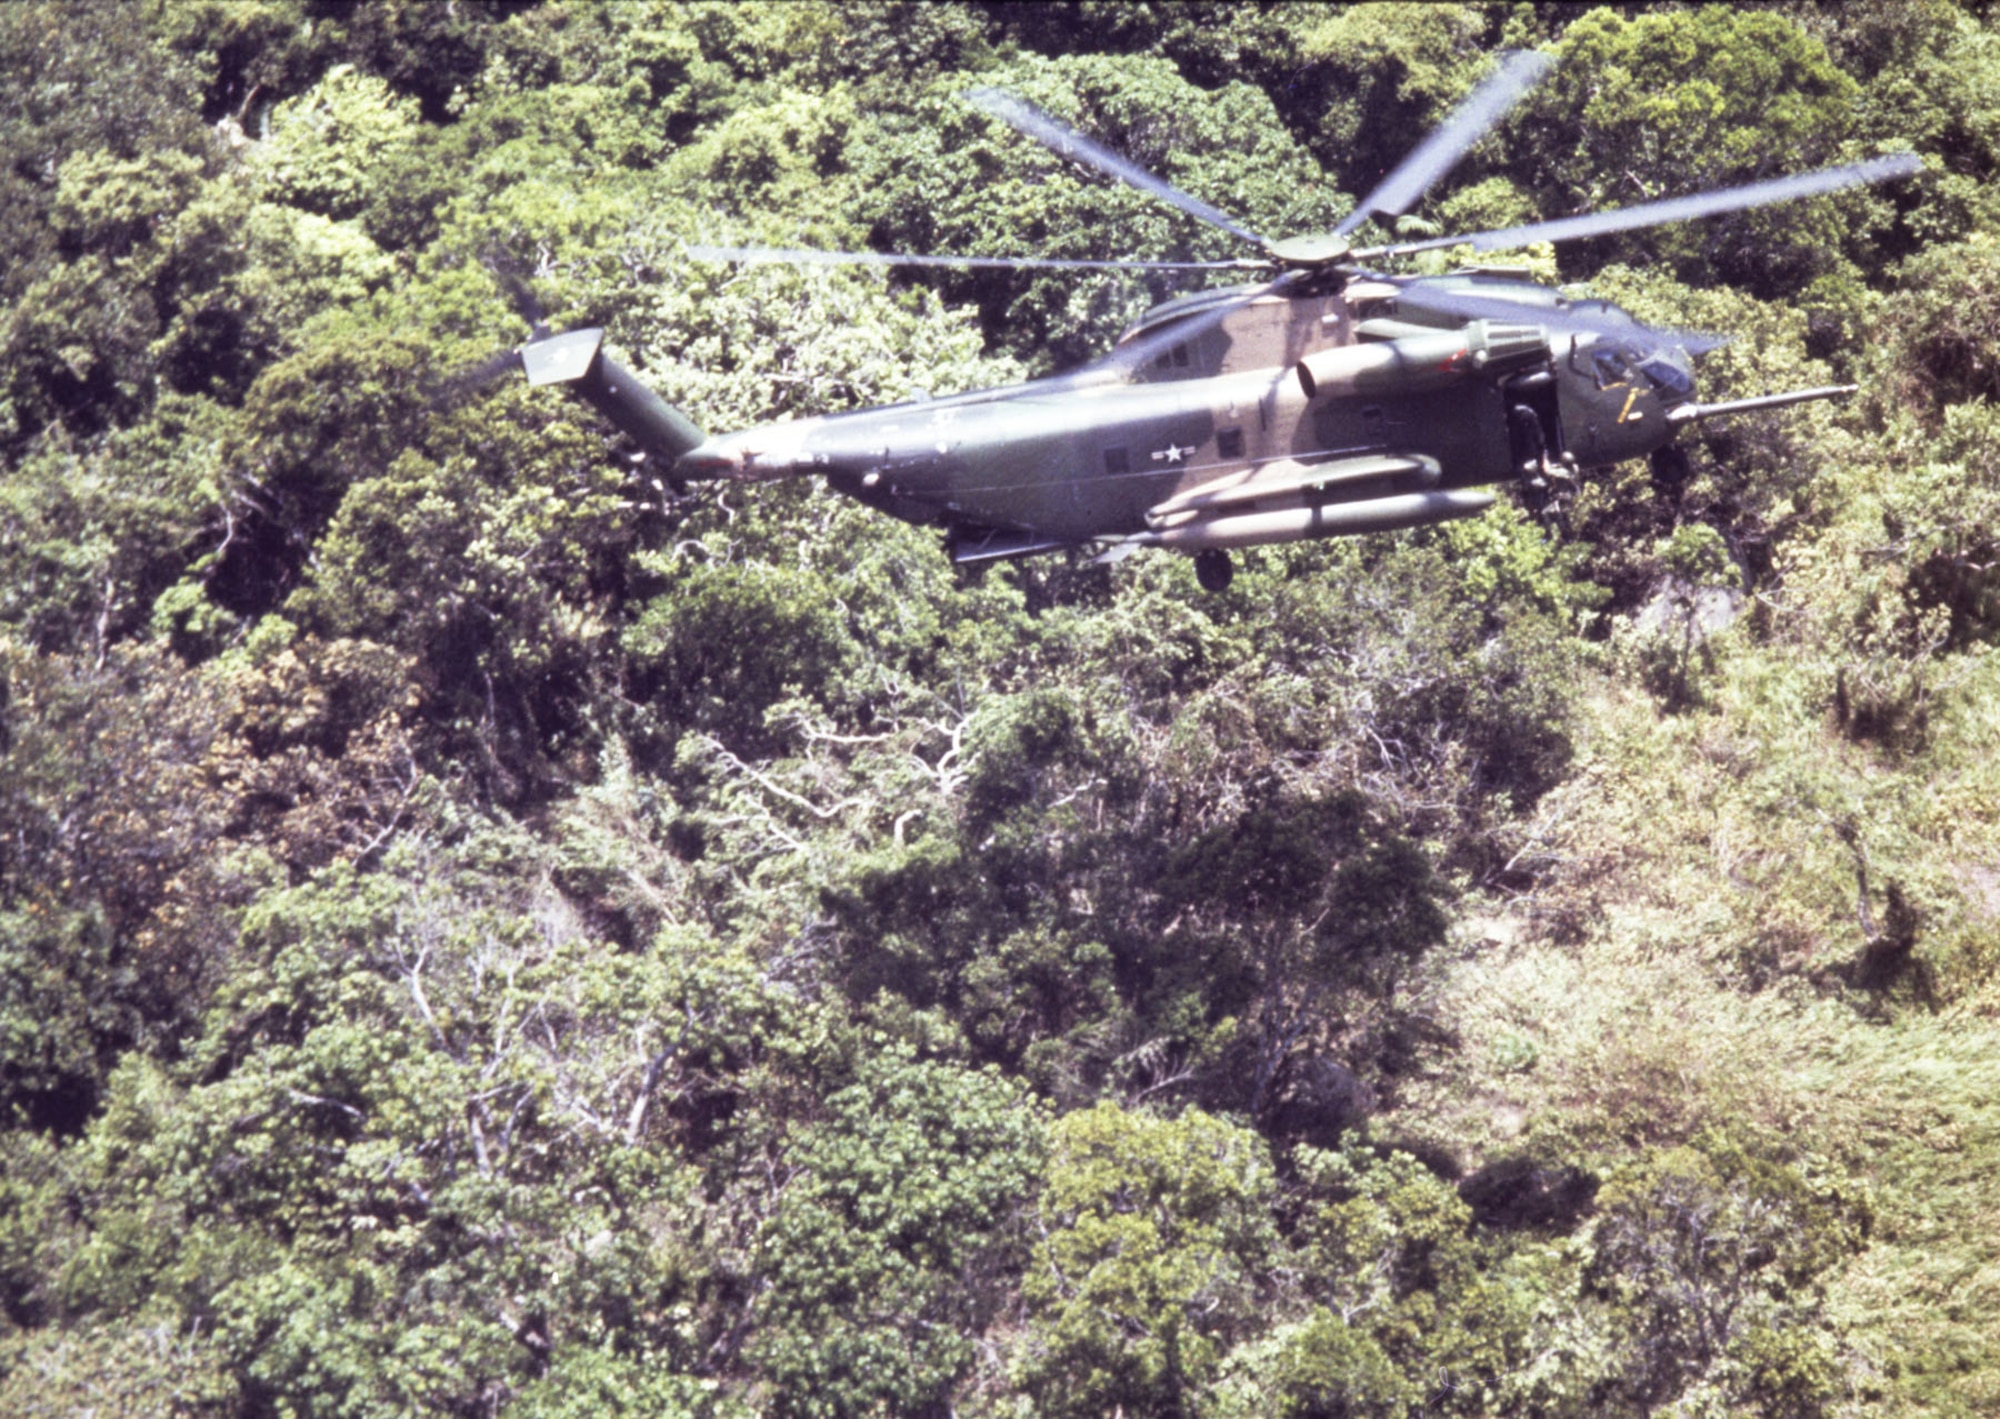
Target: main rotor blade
[
  {"x": 1469, "y": 122},
  {"x": 1066, "y": 142},
  {"x": 808, "y": 257},
  {"x": 1674, "y": 209}
]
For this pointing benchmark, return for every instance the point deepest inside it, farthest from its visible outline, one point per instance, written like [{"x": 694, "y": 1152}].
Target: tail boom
[{"x": 577, "y": 358}]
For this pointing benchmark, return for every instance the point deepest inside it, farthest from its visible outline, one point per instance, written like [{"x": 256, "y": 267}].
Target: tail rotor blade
[
  {"x": 469, "y": 383},
  {"x": 505, "y": 268}
]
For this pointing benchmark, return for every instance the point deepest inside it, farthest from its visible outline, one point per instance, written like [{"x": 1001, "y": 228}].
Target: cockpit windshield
[
  {"x": 1665, "y": 374},
  {"x": 1607, "y": 362},
  {"x": 1628, "y": 360}
]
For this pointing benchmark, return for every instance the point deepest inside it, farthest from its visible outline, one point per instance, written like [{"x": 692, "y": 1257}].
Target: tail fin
[{"x": 576, "y": 357}]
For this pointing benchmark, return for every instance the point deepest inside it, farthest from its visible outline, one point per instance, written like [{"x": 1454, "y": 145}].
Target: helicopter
[{"x": 1324, "y": 398}]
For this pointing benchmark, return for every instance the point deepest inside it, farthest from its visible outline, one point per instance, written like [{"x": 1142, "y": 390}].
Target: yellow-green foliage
[
  {"x": 1152, "y": 1233},
  {"x": 485, "y": 930}
]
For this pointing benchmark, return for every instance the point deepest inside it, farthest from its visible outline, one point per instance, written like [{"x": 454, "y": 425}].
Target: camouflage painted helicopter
[{"x": 1325, "y": 399}]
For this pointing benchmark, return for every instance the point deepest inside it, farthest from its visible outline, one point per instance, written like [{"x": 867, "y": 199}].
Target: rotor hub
[{"x": 1309, "y": 253}]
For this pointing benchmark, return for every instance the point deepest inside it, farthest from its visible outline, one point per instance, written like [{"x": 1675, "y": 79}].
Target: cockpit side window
[
  {"x": 1609, "y": 366},
  {"x": 1666, "y": 375}
]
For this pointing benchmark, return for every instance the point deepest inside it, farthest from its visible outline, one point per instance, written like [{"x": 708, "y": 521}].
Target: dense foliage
[{"x": 483, "y": 931}]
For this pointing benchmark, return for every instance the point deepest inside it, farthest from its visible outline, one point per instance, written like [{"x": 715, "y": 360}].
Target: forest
[{"x": 484, "y": 931}]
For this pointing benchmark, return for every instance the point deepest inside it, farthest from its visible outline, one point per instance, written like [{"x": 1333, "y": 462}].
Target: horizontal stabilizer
[{"x": 561, "y": 359}]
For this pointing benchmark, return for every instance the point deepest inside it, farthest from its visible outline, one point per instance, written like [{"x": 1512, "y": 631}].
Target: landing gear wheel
[
  {"x": 1670, "y": 471},
  {"x": 1213, "y": 569}
]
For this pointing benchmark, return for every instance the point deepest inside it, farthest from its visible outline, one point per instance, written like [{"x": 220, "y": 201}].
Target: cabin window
[
  {"x": 1229, "y": 443},
  {"x": 1180, "y": 356},
  {"x": 1374, "y": 425},
  {"x": 1117, "y": 460}
]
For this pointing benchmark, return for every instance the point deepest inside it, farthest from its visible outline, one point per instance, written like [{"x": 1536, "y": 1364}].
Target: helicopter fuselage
[
  {"x": 1329, "y": 399},
  {"x": 1289, "y": 419},
  {"x": 1223, "y": 420}
]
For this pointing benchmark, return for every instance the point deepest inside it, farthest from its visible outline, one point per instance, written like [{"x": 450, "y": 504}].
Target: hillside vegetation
[{"x": 483, "y": 932}]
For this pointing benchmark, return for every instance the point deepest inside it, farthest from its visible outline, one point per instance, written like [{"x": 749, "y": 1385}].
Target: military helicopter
[{"x": 1324, "y": 399}]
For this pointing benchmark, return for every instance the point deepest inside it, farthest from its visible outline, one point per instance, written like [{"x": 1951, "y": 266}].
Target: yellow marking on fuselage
[{"x": 1624, "y": 413}]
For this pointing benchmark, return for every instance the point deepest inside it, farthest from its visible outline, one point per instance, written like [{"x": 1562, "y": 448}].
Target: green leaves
[
  {"x": 324, "y": 144},
  {"x": 899, "y": 1239},
  {"x": 1153, "y": 1234},
  {"x": 727, "y": 643},
  {"x": 1665, "y": 104},
  {"x": 1718, "y": 1250},
  {"x": 485, "y": 930}
]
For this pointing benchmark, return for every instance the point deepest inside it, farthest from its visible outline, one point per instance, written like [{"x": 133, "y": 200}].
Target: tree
[
  {"x": 1670, "y": 103},
  {"x": 1331, "y": 910},
  {"x": 897, "y": 1240},
  {"x": 1405, "y": 1315},
  {"x": 1923, "y": 77},
  {"x": 1713, "y": 1252},
  {"x": 1154, "y": 1240},
  {"x": 87, "y": 94},
  {"x": 116, "y": 907}
]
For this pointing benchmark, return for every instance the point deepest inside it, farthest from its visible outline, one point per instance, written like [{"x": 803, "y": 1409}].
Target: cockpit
[{"x": 1630, "y": 362}]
